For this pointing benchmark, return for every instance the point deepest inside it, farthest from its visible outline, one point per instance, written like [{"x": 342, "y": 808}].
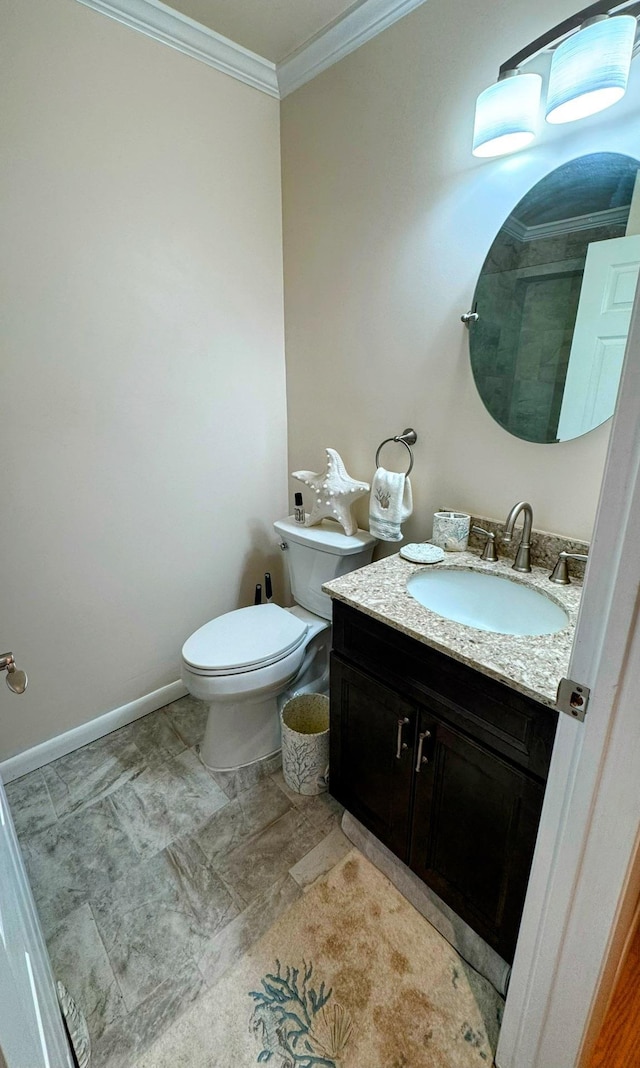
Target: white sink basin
[{"x": 487, "y": 602}]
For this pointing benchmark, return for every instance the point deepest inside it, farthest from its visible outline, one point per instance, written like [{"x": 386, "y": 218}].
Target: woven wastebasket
[{"x": 305, "y": 743}]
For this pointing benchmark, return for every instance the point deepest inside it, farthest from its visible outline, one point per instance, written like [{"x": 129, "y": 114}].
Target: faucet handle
[
  {"x": 489, "y": 551},
  {"x": 560, "y": 573}
]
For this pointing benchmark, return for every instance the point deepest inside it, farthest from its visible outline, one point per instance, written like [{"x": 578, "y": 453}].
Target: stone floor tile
[
  {"x": 155, "y": 738},
  {"x": 321, "y": 859},
  {"x": 188, "y": 717},
  {"x": 330, "y": 823},
  {"x": 167, "y": 802},
  {"x": 317, "y": 808},
  {"x": 31, "y": 807},
  {"x": 247, "y": 815},
  {"x": 146, "y": 926},
  {"x": 74, "y": 858},
  {"x": 93, "y": 772},
  {"x": 79, "y": 960},
  {"x": 152, "y": 878},
  {"x": 265, "y": 857},
  {"x": 157, "y": 917},
  {"x": 211, "y": 902},
  {"x": 234, "y": 940},
  {"x": 121, "y": 1043}
]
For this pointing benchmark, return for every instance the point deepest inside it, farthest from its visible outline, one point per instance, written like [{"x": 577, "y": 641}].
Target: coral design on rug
[{"x": 294, "y": 1022}]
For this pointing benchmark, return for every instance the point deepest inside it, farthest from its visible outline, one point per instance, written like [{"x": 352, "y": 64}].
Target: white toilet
[{"x": 245, "y": 664}]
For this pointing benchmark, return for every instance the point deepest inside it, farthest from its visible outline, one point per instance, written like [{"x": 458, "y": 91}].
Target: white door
[
  {"x": 585, "y": 878},
  {"x": 600, "y": 335},
  {"x": 31, "y": 1031}
]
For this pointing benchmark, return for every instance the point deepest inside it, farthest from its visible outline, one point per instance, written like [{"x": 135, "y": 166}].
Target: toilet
[{"x": 245, "y": 664}]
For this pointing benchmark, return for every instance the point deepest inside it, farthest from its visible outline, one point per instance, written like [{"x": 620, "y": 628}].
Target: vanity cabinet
[
  {"x": 445, "y": 765},
  {"x": 368, "y": 723}
]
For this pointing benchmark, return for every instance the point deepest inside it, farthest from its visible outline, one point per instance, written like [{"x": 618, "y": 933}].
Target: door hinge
[{"x": 573, "y": 698}]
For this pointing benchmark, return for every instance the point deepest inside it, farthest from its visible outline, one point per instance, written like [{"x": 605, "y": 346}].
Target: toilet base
[
  {"x": 235, "y": 781},
  {"x": 240, "y": 768},
  {"x": 240, "y": 733}
]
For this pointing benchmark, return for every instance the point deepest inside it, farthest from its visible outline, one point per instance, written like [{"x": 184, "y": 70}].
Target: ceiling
[{"x": 271, "y": 28}]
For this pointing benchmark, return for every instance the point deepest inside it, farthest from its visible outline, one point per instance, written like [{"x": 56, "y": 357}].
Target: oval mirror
[{"x": 554, "y": 301}]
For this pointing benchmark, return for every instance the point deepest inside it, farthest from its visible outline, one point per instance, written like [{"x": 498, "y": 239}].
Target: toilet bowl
[
  {"x": 246, "y": 663},
  {"x": 244, "y": 684}
]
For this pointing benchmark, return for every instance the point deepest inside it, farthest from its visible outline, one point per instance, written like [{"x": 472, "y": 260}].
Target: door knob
[{"x": 16, "y": 679}]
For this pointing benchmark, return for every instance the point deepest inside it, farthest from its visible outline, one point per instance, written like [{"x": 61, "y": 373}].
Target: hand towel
[{"x": 391, "y": 502}]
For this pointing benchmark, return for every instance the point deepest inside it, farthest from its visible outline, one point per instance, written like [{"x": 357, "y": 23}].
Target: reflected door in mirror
[{"x": 600, "y": 335}]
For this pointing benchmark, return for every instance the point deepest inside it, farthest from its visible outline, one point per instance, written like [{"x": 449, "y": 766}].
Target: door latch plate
[{"x": 573, "y": 699}]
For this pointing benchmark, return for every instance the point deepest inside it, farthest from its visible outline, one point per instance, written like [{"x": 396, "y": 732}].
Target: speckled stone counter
[{"x": 531, "y": 665}]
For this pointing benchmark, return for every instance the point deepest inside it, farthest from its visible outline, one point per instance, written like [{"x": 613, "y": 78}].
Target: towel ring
[{"x": 407, "y": 438}]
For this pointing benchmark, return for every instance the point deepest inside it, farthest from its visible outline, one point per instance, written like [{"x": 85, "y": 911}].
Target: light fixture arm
[{"x": 555, "y": 35}]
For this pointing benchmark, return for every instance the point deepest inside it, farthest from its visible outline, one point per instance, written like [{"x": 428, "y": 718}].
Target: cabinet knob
[
  {"x": 422, "y": 759},
  {"x": 400, "y": 745}
]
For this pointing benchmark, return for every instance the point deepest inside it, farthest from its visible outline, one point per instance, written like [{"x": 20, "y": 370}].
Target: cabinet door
[
  {"x": 474, "y": 830},
  {"x": 371, "y": 751}
]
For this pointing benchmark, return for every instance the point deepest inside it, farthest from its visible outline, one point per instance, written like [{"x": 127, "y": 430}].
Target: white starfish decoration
[{"x": 335, "y": 492}]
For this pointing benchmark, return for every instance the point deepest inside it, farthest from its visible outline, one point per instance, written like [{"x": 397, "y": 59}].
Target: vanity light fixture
[
  {"x": 592, "y": 54},
  {"x": 507, "y": 114},
  {"x": 590, "y": 68}
]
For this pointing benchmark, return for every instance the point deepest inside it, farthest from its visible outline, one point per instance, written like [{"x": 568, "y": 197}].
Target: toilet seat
[{"x": 244, "y": 640}]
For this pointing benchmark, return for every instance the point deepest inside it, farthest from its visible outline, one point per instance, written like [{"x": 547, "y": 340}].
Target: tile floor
[{"x": 153, "y": 875}]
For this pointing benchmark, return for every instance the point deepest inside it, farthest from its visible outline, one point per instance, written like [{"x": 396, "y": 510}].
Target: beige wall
[
  {"x": 142, "y": 411},
  {"x": 387, "y": 220},
  {"x": 143, "y": 422}
]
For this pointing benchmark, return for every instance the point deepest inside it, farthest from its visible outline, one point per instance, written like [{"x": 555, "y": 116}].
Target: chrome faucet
[{"x": 522, "y": 561}]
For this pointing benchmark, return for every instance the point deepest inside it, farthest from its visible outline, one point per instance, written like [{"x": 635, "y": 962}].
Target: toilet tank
[{"x": 315, "y": 555}]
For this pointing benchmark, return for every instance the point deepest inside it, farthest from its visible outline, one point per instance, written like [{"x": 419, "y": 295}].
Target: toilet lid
[{"x": 245, "y": 639}]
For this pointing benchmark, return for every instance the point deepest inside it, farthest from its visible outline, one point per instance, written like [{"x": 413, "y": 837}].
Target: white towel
[{"x": 391, "y": 502}]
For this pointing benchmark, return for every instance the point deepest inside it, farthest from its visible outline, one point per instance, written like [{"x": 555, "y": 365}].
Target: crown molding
[
  {"x": 328, "y": 47},
  {"x": 607, "y": 217},
  {"x": 160, "y": 22},
  {"x": 163, "y": 24}
]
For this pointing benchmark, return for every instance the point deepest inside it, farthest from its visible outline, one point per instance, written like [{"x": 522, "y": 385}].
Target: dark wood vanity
[{"x": 444, "y": 765}]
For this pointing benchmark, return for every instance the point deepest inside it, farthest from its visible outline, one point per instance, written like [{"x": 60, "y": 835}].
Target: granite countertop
[{"x": 531, "y": 665}]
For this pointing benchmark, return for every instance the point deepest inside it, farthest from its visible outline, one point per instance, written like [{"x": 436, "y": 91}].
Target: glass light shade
[
  {"x": 589, "y": 70},
  {"x": 506, "y": 115}
]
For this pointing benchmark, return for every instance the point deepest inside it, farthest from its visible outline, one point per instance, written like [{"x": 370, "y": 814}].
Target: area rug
[{"x": 350, "y": 977}]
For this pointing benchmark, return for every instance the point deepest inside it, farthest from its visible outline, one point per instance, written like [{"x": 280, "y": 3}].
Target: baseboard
[{"x": 42, "y": 754}]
